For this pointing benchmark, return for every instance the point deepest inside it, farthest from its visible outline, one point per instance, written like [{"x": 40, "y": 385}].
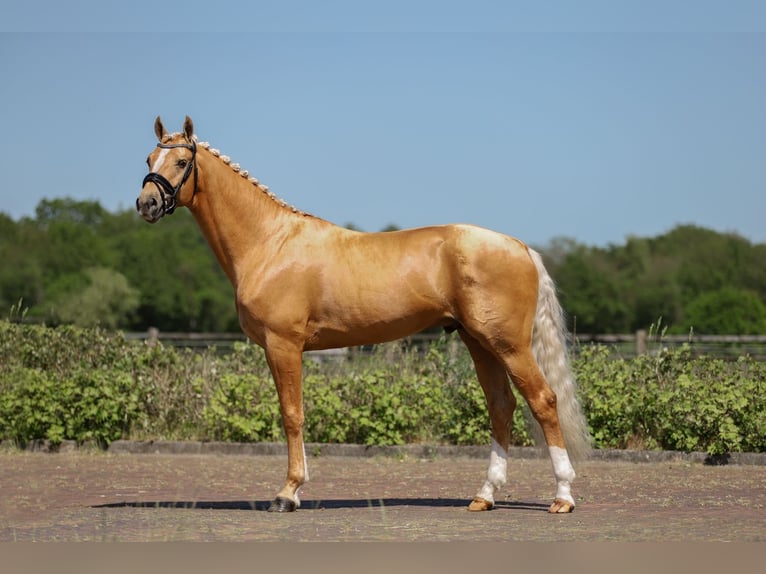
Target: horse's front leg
[{"x": 285, "y": 361}]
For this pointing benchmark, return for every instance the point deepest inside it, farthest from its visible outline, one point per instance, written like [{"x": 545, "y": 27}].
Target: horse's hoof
[
  {"x": 561, "y": 506},
  {"x": 479, "y": 504},
  {"x": 282, "y": 504}
]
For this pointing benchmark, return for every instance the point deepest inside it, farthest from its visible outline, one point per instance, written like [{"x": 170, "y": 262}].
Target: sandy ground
[{"x": 96, "y": 496}]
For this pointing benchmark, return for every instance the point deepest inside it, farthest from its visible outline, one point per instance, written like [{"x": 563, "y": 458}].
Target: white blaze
[{"x": 160, "y": 160}]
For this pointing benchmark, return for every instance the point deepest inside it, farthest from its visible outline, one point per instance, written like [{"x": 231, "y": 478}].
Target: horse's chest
[{"x": 271, "y": 312}]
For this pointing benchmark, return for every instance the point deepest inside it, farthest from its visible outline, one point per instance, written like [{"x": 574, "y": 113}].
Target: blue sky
[{"x": 592, "y": 120}]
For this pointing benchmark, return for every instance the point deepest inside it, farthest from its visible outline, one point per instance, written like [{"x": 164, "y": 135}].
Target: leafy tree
[
  {"x": 107, "y": 300},
  {"x": 21, "y": 273},
  {"x": 87, "y": 213},
  {"x": 648, "y": 278},
  {"x": 182, "y": 287},
  {"x": 727, "y": 311},
  {"x": 590, "y": 292}
]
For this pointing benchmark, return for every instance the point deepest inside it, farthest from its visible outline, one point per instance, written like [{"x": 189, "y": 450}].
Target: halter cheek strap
[{"x": 168, "y": 193}]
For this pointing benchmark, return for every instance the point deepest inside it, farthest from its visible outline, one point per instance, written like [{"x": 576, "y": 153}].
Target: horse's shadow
[{"x": 334, "y": 504}]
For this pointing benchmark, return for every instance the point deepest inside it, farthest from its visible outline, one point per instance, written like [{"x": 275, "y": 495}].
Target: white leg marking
[
  {"x": 497, "y": 473},
  {"x": 305, "y": 478},
  {"x": 160, "y": 160},
  {"x": 563, "y": 471}
]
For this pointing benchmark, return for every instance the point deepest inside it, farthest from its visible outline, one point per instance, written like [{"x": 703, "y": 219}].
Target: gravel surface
[{"x": 96, "y": 496}]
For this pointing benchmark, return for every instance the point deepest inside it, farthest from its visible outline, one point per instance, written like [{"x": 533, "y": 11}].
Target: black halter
[{"x": 167, "y": 191}]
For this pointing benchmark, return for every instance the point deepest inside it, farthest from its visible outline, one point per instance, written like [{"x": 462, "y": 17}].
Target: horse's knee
[{"x": 292, "y": 418}]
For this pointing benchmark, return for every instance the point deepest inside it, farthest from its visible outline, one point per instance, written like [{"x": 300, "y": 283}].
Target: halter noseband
[{"x": 167, "y": 191}]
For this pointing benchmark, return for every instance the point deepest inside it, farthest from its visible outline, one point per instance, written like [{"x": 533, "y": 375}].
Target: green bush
[
  {"x": 87, "y": 405},
  {"x": 673, "y": 401},
  {"x": 243, "y": 408},
  {"x": 67, "y": 383}
]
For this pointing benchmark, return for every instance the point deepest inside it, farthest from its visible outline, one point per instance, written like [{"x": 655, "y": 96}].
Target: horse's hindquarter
[{"x": 496, "y": 285}]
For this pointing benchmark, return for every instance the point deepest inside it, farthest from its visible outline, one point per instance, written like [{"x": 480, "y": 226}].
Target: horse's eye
[{"x": 181, "y": 163}]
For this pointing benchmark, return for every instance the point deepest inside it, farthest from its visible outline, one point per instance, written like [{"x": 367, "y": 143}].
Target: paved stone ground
[{"x": 97, "y": 496}]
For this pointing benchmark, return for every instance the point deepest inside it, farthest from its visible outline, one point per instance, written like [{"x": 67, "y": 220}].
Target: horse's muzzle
[{"x": 150, "y": 205}]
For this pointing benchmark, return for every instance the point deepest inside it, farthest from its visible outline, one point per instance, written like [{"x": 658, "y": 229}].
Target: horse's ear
[
  {"x": 188, "y": 128},
  {"x": 159, "y": 129}
]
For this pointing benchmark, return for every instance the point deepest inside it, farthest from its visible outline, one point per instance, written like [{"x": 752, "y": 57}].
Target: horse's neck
[{"x": 237, "y": 217}]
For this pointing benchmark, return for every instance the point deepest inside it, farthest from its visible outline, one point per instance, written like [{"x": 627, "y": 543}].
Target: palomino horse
[{"x": 302, "y": 283}]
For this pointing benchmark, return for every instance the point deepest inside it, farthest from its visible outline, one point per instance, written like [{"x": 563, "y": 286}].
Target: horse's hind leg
[
  {"x": 527, "y": 377},
  {"x": 501, "y": 404}
]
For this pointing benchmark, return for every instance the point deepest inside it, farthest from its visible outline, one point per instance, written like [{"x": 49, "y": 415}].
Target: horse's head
[{"x": 171, "y": 164}]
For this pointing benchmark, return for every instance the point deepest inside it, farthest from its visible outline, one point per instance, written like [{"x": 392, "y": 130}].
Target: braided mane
[{"x": 243, "y": 173}]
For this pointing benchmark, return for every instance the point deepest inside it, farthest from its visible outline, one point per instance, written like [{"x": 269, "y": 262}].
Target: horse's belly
[{"x": 351, "y": 333}]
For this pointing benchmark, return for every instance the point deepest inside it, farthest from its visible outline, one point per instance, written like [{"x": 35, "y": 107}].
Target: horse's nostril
[{"x": 149, "y": 203}]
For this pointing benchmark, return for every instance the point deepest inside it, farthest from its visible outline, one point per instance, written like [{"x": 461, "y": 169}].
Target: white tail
[{"x": 550, "y": 350}]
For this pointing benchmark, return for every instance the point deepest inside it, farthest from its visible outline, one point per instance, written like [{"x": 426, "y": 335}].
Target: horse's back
[
  {"x": 450, "y": 257},
  {"x": 459, "y": 239}
]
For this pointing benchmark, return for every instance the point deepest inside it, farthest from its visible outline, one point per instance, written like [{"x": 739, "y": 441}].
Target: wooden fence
[
  {"x": 624, "y": 345},
  {"x": 640, "y": 343}
]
